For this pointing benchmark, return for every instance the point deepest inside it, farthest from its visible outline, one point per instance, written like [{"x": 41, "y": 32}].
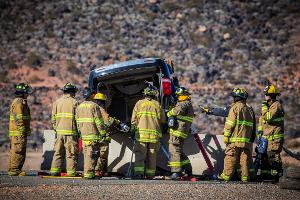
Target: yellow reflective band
[
  {"x": 280, "y": 119},
  {"x": 259, "y": 128},
  {"x": 99, "y": 121},
  {"x": 149, "y": 131},
  {"x": 89, "y": 175},
  {"x": 150, "y": 171},
  {"x": 65, "y": 132},
  {"x": 245, "y": 178},
  {"x": 63, "y": 115},
  {"x": 139, "y": 169},
  {"x": 170, "y": 113},
  {"x": 225, "y": 177},
  {"x": 16, "y": 133},
  {"x": 92, "y": 137},
  {"x": 150, "y": 114},
  {"x": 263, "y": 108},
  {"x": 185, "y": 118},
  {"x": 178, "y": 133},
  {"x": 55, "y": 169},
  {"x": 147, "y": 140},
  {"x": 179, "y": 164},
  {"x": 227, "y": 133},
  {"x": 19, "y": 116},
  {"x": 85, "y": 105},
  {"x": 230, "y": 122},
  {"x": 274, "y": 136},
  {"x": 245, "y": 123},
  {"x": 174, "y": 164},
  {"x": 238, "y": 139}
]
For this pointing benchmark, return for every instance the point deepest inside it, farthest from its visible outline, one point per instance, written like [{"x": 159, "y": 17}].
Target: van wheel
[{"x": 289, "y": 183}]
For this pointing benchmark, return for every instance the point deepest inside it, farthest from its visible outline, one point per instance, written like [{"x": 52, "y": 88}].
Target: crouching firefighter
[
  {"x": 271, "y": 129},
  {"x": 91, "y": 127},
  {"x": 19, "y": 129},
  {"x": 239, "y": 134},
  {"x": 64, "y": 124},
  {"x": 180, "y": 119},
  {"x": 110, "y": 123},
  {"x": 147, "y": 118}
]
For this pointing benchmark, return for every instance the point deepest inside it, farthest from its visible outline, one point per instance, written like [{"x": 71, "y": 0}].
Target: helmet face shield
[
  {"x": 151, "y": 90},
  {"x": 23, "y": 88},
  {"x": 182, "y": 91},
  {"x": 69, "y": 87},
  {"x": 239, "y": 92}
]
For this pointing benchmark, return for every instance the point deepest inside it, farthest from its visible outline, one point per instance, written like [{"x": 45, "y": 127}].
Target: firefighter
[
  {"x": 91, "y": 126},
  {"x": 180, "y": 120},
  {"x": 110, "y": 122},
  {"x": 239, "y": 134},
  {"x": 271, "y": 127},
  {"x": 64, "y": 124},
  {"x": 148, "y": 118},
  {"x": 19, "y": 129}
]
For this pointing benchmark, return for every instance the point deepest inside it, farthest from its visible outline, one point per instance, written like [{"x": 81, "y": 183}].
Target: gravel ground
[{"x": 110, "y": 188}]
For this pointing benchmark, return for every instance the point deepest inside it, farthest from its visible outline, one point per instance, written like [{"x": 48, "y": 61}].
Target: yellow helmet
[
  {"x": 271, "y": 89},
  {"x": 100, "y": 96}
]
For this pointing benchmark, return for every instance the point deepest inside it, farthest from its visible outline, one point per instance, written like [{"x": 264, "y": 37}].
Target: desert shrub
[
  {"x": 33, "y": 60},
  {"x": 72, "y": 68}
]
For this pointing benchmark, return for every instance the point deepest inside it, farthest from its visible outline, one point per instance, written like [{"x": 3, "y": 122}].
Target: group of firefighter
[{"x": 90, "y": 122}]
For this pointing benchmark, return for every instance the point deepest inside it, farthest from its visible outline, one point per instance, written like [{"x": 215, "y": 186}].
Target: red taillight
[{"x": 167, "y": 88}]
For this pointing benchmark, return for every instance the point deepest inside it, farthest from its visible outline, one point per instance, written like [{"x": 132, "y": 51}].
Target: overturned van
[{"x": 123, "y": 83}]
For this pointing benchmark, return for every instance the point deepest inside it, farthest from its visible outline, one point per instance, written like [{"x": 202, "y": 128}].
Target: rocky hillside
[{"x": 215, "y": 44}]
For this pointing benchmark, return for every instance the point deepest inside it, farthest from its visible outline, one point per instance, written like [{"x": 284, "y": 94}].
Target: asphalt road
[{"x": 33, "y": 187}]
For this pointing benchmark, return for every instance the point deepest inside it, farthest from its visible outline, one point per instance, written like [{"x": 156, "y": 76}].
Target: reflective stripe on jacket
[
  {"x": 272, "y": 120},
  {"x": 239, "y": 125},
  {"x": 184, "y": 113},
  {"x": 89, "y": 121},
  {"x": 63, "y": 115},
  {"x": 148, "y": 117},
  {"x": 19, "y": 118}
]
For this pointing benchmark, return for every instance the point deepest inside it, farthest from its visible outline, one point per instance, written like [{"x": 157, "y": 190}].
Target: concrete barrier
[{"x": 120, "y": 151}]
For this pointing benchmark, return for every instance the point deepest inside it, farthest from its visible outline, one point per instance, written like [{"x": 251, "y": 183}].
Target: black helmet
[
  {"x": 87, "y": 92},
  {"x": 69, "y": 87},
  {"x": 239, "y": 92},
  {"x": 23, "y": 88},
  {"x": 182, "y": 91},
  {"x": 150, "y": 90}
]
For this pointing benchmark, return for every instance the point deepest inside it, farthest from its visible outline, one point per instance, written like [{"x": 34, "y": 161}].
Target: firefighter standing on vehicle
[
  {"x": 91, "y": 127},
  {"x": 180, "y": 120},
  {"x": 147, "y": 118},
  {"x": 271, "y": 127},
  {"x": 110, "y": 122},
  {"x": 239, "y": 134},
  {"x": 64, "y": 124},
  {"x": 19, "y": 129}
]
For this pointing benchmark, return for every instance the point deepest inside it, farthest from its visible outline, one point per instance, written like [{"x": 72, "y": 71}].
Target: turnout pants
[
  {"x": 145, "y": 158},
  {"x": 103, "y": 158},
  {"x": 65, "y": 146},
  {"x": 17, "y": 154},
  {"x": 178, "y": 159},
  {"x": 233, "y": 156},
  {"x": 91, "y": 156},
  {"x": 271, "y": 160}
]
